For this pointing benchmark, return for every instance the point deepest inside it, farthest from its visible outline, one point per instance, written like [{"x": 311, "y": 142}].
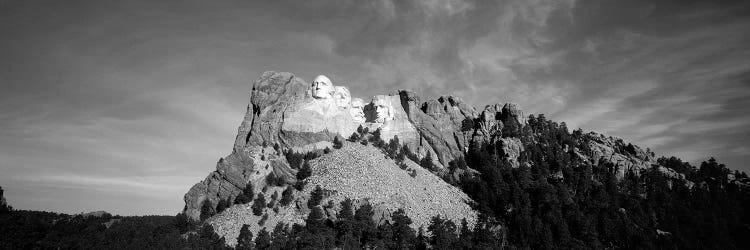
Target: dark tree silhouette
[
  {"x": 263, "y": 241},
  {"x": 259, "y": 204},
  {"x": 246, "y": 196},
  {"x": 286, "y": 196},
  {"x": 315, "y": 197},
  {"x": 207, "y": 210},
  {"x": 245, "y": 240},
  {"x": 337, "y": 144}
]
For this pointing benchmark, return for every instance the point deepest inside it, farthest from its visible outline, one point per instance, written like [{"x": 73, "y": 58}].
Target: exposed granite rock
[
  {"x": 445, "y": 125},
  {"x": 270, "y": 96},
  {"x": 613, "y": 150},
  {"x": 282, "y": 110},
  {"x": 511, "y": 150},
  {"x": 232, "y": 175},
  {"x": 488, "y": 124},
  {"x": 511, "y": 113}
]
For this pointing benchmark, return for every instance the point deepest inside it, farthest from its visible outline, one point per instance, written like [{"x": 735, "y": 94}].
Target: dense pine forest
[
  {"x": 587, "y": 207},
  {"x": 557, "y": 202}
]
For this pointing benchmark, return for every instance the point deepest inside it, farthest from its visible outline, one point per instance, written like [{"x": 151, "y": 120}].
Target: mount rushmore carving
[{"x": 285, "y": 110}]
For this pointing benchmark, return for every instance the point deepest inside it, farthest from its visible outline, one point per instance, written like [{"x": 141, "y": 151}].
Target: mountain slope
[
  {"x": 484, "y": 152},
  {"x": 365, "y": 175}
]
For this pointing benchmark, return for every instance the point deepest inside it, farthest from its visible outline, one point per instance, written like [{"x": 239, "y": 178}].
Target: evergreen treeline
[
  {"x": 564, "y": 202},
  {"x": 355, "y": 229},
  {"x": 559, "y": 201},
  {"x": 46, "y": 230}
]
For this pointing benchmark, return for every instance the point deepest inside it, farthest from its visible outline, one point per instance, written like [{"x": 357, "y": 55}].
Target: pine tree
[
  {"x": 280, "y": 237},
  {"x": 385, "y": 237},
  {"x": 426, "y": 162},
  {"x": 286, "y": 196},
  {"x": 207, "y": 239},
  {"x": 421, "y": 242},
  {"x": 347, "y": 210},
  {"x": 316, "y": 218},
  {"x": 259, "y": 204},
  {"x": 304, "y": 172},
  {"x": 317, "y": 234},
  {"x": 337, "y": 144},
  {"x": 393, "y": 146},
  {"x": 466, "y": 236},
  {"x": 403, "y": 235},
  {"x": 443, "y": 233},
  {"x": 222, "y": 205},
  {"x": 246, "y": 196},
  {"x": 376, "y": 139},
  {"x": 182, "y": 223},
  {"x": 401, "y": 156},
  {"x": 263, "y": 241},
  {"x": 245, "y": 240},
  {"x": 315, "y": 197},
  {"x": 354, "y": 137},
  {"x": 364, "y": 224}
]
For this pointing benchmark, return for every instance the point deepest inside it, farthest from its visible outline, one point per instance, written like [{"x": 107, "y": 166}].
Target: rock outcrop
[
  {"x": 286, "y": 113},
  {"x": 233, "y": 173},
  {"x": 614, "y": 150},
  {"x": 445, "y": 125}
]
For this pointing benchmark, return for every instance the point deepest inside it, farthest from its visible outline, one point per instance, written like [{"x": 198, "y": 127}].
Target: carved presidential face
[
  {"x": 383, "y": 109},
  {"x": 357, "y": 110},
  {"x": 341, "y": 96},
  {"x": 487, "y": 116},
  {"x": 322, "y": 87}
]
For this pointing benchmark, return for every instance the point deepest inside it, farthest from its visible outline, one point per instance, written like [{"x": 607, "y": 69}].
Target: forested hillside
[
  {"x": 556, "y": 199},
  {"x": 563, "y": 201}
]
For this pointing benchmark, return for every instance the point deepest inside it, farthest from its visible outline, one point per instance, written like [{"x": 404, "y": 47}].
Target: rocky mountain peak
[{"x": 287, "y": 114}]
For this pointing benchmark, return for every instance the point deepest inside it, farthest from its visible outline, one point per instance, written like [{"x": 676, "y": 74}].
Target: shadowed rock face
[{"x": 442, "y": 124}]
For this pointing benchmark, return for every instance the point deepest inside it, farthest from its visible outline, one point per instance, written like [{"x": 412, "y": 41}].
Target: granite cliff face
[{"x": 286, "y": 114}]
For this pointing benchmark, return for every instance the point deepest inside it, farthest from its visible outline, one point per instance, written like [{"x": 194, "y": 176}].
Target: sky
[{"x": 123, "y": 105}]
